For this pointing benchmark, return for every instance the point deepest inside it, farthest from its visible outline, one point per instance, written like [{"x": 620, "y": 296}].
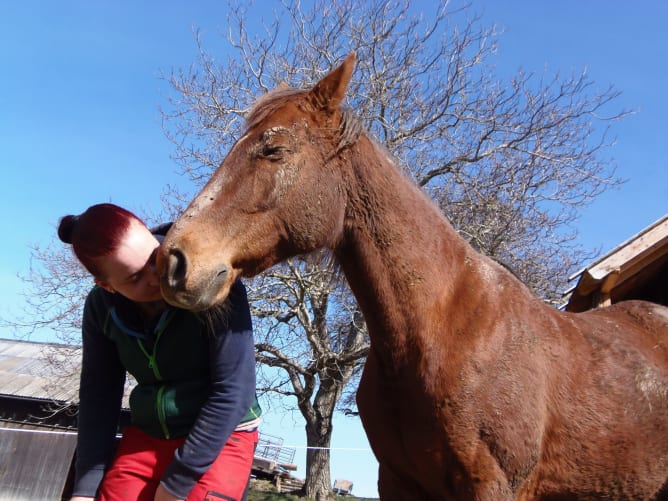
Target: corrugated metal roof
[
  {"x": 44, "y": 371},
  {"x": 39, "y": 370}
]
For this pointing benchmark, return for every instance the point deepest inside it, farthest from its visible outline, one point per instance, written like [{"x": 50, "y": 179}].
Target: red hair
[{"x": 96, "y": 233}]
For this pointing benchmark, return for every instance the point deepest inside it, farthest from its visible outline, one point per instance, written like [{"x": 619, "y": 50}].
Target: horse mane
[{"x": 350, "y": 127}]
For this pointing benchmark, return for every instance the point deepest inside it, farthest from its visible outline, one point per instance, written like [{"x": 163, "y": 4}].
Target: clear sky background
[{"x": 79, "y": 123}]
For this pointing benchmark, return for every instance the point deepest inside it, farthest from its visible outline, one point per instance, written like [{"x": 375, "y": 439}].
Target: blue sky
[{"x": 79, "y": 122}]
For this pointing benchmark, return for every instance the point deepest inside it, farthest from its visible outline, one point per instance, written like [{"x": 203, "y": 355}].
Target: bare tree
[
  {"x": 54, "y": 298},
  {"x": 308, "y": 326},
  {"x": 511, "y": 163}
]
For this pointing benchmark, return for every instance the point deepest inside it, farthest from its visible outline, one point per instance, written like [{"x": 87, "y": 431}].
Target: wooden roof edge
[
  {"x": 653, "y": 236},
  {"x": 646, "y": 249}
]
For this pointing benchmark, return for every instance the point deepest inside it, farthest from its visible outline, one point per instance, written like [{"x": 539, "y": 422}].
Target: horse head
[{"x": 278, "y": 193}]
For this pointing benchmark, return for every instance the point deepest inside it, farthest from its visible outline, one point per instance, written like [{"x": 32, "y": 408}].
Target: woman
[{"x": 194, "y": 415}]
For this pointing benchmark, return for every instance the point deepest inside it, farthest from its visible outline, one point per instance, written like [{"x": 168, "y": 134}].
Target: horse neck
[
  {"x": 397, "y": 248},
  {"x": 408, "y": 268}
]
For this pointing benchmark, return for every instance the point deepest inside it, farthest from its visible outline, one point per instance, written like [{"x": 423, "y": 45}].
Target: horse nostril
[{"x": 177, "y": 268}]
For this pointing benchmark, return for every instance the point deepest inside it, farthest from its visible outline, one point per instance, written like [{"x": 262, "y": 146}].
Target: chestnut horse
[{"x": 473, "y": 388}]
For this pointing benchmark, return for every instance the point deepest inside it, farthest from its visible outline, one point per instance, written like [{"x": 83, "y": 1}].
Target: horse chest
[
  {"x": 447, "y": 427},
  {"x": 392, "y": 407}
]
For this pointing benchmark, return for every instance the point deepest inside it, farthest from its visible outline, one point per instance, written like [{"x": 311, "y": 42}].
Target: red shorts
[{"x": 141, "y": 460}]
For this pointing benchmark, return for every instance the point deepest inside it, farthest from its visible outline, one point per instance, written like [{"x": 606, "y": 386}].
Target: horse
[{"x": 473, "y": 387}]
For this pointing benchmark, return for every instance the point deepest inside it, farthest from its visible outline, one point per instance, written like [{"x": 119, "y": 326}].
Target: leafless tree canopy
[
  {"x": 57, "y": 288},
  {"x": 511, "y": 162}
]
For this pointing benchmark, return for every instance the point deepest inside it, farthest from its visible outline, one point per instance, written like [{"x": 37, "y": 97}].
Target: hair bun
[{"x": 66, "y": 228}]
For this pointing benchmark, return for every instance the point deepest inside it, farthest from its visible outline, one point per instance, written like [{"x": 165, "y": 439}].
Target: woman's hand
[{"x": 161, "y": 494}]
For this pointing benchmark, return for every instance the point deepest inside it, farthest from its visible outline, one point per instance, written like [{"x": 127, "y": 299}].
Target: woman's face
[{"x": 131, "y": 269}]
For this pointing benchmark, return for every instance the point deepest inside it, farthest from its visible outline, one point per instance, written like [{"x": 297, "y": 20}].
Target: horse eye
[{"x": 272, "y": 152}]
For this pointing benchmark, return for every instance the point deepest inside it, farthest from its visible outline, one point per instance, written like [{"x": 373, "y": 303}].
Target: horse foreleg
[{"x": 396, "y": 487}]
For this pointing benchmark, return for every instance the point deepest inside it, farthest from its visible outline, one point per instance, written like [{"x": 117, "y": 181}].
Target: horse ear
[{"x": 329, "y": 92}]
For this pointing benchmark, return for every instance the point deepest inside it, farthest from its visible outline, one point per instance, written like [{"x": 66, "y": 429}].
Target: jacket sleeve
[
  {"x": 232, "y": 362},
  {"x": 100, "y": 395}
]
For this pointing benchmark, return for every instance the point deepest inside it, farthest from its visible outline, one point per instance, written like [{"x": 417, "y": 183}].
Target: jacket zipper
[{"x": 153, "y": 365}]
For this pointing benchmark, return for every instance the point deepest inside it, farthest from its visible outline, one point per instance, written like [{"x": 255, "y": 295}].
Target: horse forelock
[{"x": 269, "y": 103}]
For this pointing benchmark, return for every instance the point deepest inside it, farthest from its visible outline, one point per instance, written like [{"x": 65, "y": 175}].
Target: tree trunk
[
  {"x": 318, "y": 484},
  {"x": 319, "y": 429}
]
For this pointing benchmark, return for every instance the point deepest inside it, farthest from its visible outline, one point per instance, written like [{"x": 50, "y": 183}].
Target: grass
[
  {"x": 272, "y": 496},
  {"x": 265, "y": 491}
]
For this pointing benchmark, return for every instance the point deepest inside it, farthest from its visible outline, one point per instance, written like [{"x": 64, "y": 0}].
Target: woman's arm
[
  {"x": 232, "y": 362},
  {"x": 100, "y": 394}
]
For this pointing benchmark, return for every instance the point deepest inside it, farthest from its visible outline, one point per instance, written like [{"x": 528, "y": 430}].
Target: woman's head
[{"x": 116, "y": 247}]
